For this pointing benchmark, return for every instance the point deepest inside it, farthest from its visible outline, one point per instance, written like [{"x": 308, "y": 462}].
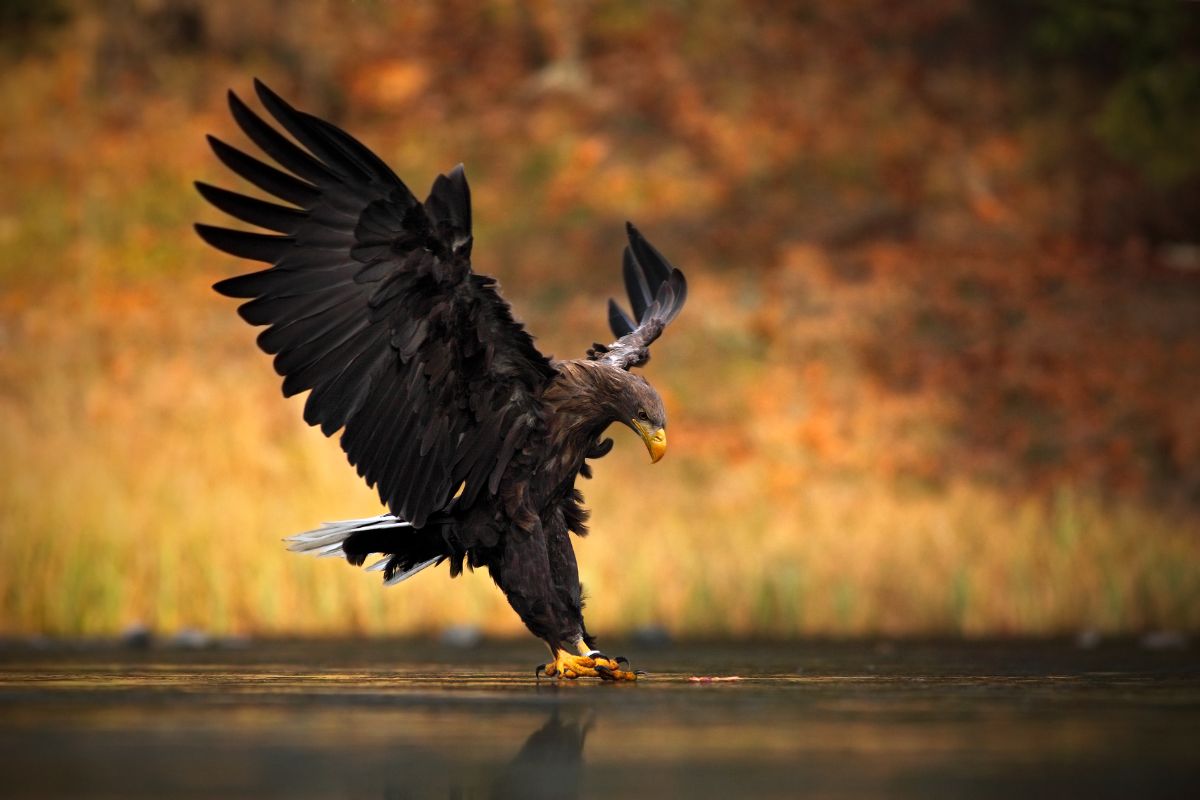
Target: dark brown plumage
[{"x": 471, "y": 436}]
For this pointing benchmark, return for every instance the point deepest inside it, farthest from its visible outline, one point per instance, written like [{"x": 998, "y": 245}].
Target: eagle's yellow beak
[{"x": 656, "y": 441}]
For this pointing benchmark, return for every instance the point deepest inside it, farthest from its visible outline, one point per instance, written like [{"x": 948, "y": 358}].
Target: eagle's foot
[{"x": 597, "y": 665}]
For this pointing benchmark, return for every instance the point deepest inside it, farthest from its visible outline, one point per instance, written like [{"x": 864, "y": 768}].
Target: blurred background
[{"x": 938, "y": 375}]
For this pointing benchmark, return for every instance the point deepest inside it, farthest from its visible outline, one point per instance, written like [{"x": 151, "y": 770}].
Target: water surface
[{"x": 389, "y": 719}]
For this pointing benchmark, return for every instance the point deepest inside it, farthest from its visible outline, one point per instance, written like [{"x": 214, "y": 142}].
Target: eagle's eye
[{"x": 642, "y": 415}]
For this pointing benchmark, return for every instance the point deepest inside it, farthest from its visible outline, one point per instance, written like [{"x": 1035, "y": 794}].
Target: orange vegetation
[{"x": 913, "y": 392}]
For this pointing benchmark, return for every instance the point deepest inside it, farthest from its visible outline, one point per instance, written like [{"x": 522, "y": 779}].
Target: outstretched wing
[
  {"x": 371, "y": 304},
  {"x": 657, "y": 292}
]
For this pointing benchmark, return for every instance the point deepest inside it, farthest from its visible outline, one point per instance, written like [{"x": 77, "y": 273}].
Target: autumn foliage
[{"x": 938, "y": 372}]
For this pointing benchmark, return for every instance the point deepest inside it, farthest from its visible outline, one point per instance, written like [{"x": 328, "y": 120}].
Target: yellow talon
[{"x": 570, "y": 666}]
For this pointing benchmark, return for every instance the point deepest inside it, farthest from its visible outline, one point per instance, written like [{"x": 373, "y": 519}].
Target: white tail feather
[
  {"x": 403, "y": 576},
  {"x": 328, "y": 550},
  {"x": 327, "y": 539},
  {"x": 326, "y": 542},
  {"x": 343, "y": 522}
]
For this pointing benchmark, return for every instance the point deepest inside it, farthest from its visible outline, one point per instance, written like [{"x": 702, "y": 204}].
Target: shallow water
[{"x": 388, "y": 719}]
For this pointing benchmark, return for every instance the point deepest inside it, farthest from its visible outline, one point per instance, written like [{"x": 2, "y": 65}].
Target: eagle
[{"x": 473, "y": 438}]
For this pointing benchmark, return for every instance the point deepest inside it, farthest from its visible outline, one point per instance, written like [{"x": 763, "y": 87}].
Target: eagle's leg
[
  {"x": 589, "y": 662},
  {"x": 537, "y": 574}
]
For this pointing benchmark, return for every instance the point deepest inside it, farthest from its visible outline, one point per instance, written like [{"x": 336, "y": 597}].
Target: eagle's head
[{"x": 638, "y": 406}]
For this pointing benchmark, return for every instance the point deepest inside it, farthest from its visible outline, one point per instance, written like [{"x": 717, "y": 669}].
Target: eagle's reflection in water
[
  {"x": 550, "y": 763},
  {"x": 548, "y": 766}
]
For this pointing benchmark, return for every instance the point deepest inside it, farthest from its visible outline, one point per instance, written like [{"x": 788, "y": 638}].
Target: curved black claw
[
  {"x": 538, "y": 670},
  {"x": 604, "y": 672},
  {"x": 622, "y": 660}
]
